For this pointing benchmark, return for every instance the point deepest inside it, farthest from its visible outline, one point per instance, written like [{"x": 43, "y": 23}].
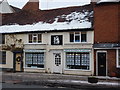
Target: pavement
[{"x": 58, "y": 80}]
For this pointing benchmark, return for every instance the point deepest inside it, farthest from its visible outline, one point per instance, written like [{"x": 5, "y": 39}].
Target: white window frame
[
  {"x": 117, "y": 57},
  {"x": 79, "y": 69},
  {"x": 37, "y": 61},
  {"x": 34, "y": 37},
  {"x": 79, "y": 37}
]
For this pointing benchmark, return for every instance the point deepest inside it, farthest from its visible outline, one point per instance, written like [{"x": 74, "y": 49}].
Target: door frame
[
  {"x": 102, "y": 51},
  {"x": 14, "y": 60}
]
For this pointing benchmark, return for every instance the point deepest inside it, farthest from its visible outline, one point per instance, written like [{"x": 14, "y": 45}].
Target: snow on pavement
[{"x": 86, "y": 82}]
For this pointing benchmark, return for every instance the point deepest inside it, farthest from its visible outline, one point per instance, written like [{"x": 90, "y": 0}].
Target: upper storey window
[
  {"x": 3, "y": 57},
  {"x": 78, "y": 37},
  {"x": 35, "y": 38},
  {"x": 2, "y": 39}
]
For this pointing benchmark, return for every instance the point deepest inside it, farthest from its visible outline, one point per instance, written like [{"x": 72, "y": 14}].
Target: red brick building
[{"x": 107, "y": 38}]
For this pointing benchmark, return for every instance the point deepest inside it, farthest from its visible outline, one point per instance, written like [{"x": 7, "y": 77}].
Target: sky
[{"x": 50, "y": 4}]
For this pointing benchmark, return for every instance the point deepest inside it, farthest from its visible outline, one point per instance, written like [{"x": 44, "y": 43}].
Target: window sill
[
  {"x": 118, "y": 67},
  {"x": 33, "y": 68},
  {"x": 2, "y": 44},
  {"x": 82, "y": 43},
  {"x": 76, "y": 70},
  {"x": 35, "y": 44}
]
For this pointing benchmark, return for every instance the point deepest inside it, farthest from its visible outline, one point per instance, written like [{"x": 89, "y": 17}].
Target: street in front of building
[{"x": 43, "y": 80}]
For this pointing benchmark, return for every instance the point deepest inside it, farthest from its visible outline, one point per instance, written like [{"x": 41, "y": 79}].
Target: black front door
[{"x": 101, "y": 64}]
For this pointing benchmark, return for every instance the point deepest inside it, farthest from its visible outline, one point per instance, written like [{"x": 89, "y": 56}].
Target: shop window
[
  {"x": 35, "y": 38},
  {"x": 35, "y": 60},
  {"x": 76, "y": 60},
  {"x": 3, "y": 57},
  {"x": 78, "y": 37}
]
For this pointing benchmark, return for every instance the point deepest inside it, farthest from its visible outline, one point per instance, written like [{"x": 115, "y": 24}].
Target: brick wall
[
  {"x": 119, "y": 20},
  {"x": 31, "y": 5},
  {"x": 111, "y": 61},
  {"x": 106, "y": 23}
]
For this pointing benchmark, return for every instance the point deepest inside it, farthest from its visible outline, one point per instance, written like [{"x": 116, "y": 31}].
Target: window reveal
[
  {"x": 77, "y": 60},
  {"x": 35, "y": 60}
]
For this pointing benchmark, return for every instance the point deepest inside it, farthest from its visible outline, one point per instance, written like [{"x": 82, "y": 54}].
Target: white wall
[
  {"x": 9, "y": 60},
  {"x": 46, "y": 44}
]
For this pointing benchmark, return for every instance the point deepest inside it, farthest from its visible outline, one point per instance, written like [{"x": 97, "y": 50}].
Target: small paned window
[
  {"x": 83, "y": 37},
  {"x": 78, "y": 37},
  {"x": 30, "y": 38},
  {"x": 2, "y": 39},
  {"x": 35, "y": 38},
  {"x": 39, "y": 38},
  {"x": 3, "y": 57},
  {"x": 71, "y": 37}
]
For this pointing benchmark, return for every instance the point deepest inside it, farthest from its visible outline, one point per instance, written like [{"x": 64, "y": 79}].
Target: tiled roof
[{"x": 82, "y": 15}]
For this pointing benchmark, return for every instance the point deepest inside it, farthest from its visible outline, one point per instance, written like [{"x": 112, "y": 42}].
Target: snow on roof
[
  {"x": 78, "y": 17},
  {"x": 77, "y": 20},
  {"x": 5, "y": 8},
  {"x": 101, "y": 1}
]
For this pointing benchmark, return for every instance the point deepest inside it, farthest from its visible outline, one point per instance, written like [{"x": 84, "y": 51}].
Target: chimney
[
  {"x": 31, "y": 5},
  {"x": 94, "y": 1}
]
